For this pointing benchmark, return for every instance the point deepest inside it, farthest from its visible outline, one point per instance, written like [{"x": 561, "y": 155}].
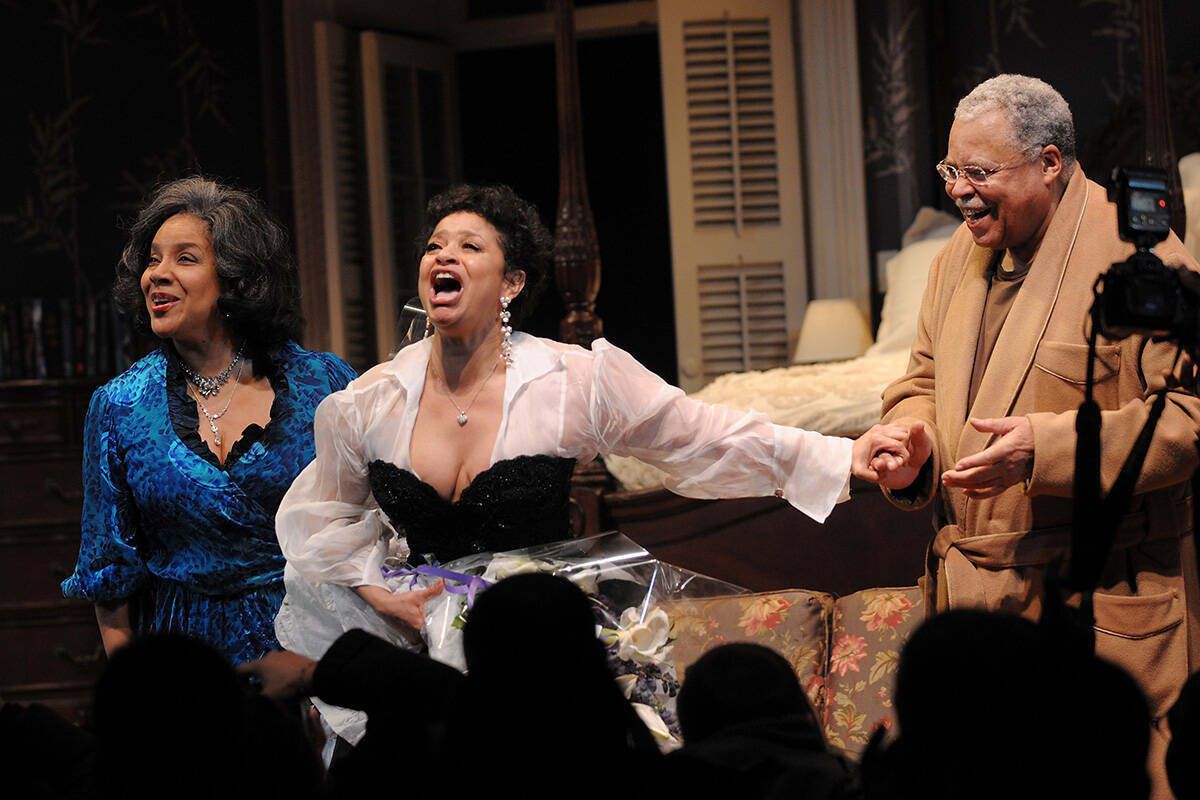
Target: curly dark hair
[
  {"x": 526, "y": 243},
  {"x": 260, "y": 287}
]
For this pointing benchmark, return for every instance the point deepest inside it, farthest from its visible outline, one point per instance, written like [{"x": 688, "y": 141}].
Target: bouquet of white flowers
[{"x": 628, "y": 588}]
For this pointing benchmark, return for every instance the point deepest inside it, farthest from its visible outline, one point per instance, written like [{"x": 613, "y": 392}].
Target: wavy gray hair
[
  {"x": 1038, "y": 113},
  {"x": 260, "y": 286}
]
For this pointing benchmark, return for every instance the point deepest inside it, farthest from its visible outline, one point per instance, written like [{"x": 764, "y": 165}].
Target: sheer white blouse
[{"x": 560, "y": 400}]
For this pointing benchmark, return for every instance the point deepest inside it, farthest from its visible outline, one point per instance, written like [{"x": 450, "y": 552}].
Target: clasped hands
[{"x": 892, "y": 455}]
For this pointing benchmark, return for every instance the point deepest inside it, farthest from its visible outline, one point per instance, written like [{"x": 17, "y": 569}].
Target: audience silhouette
[
  {"x": 538, "y": 709},
  {"x": 748, "y": 726},
  {"x": 991, "y": 705},
  {"x": 988, "y": 706},
  {"x": 172, "y": 719},
  {"x": 43, "y": 756}
]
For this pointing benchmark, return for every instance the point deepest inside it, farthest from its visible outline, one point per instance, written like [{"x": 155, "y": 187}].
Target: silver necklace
[
  {"x": 212, "y": 418},
  {"x": 462, "y": 412},
  {"x": 208, "y": 385}
]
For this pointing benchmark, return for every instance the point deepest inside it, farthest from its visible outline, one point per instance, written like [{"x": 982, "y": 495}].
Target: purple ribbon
[{"x": 467, "y": 584}]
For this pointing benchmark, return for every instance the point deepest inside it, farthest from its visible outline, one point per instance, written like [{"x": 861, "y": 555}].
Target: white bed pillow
[
  {"x": 930, "y": 223},
  {"x": 907, "y": 273}
]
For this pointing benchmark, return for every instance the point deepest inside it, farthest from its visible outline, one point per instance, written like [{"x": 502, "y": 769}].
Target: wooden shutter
[
  {"x": 731, "y": 121},
  {"x": 734, "y": 183},
  {"x": 743, "y": 317},
  {"x": 412, "y": 153},
  {"x": 343, "y": 212}
]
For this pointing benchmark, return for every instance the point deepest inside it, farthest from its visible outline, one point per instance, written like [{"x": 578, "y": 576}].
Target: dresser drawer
[
  {"x": 36, "y": 416},
  {"x": 37, "y": 425},
  {"x": 50, "y": 648},
  {"x": 31, "y": 568},
  {"x": 43, "y": 491},
  {"x": 46, "y": 650}
]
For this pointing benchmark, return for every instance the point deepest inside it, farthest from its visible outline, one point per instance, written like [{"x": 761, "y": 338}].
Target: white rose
[
  {"x": 642, "y": 640},
  {"x": 630, "y": 616}
]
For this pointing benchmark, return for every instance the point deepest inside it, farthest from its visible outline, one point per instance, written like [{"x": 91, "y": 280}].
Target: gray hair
[
  {"x": 1037, "y": 112},
  {"x": 260, "y": 286}
]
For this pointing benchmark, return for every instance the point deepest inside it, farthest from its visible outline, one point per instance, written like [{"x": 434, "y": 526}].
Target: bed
[{"x": 763, "y": 543}]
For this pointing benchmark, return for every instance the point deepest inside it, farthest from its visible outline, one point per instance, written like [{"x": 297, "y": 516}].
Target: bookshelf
[{"x": 61, "y": 337}]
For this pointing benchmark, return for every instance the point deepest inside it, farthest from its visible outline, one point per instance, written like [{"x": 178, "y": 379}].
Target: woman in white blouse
[{"x": 465, "y": 441}]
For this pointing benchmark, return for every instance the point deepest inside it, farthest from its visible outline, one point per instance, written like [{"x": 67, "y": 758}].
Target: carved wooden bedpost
[
  {"x": 576, "y": 253},
  {"x": 1160, "y": 145}
]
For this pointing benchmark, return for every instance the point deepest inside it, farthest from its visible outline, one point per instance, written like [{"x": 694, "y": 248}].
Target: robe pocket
[
  {"x": 1145, "y": 635},
  {"x": 1059, "y": 374}
]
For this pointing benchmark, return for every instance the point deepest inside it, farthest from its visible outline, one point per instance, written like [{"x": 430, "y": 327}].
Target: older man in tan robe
[{"x": 997, "y": 373}]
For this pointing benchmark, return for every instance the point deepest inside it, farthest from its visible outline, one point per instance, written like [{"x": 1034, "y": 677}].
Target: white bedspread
[{"x": 838, "y": 398}]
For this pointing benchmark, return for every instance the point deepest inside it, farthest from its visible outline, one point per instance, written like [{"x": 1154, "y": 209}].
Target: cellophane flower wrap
[{"x": 630, "y": 591}]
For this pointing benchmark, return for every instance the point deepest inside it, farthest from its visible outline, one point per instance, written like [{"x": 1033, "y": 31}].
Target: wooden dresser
[{"x": 50, "y": 648}]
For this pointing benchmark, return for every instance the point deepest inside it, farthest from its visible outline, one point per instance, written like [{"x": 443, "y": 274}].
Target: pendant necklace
[
  {"x": 462, "y": 412},
  {"x": 212, "y": 418},
  {"x": 208, "y": 385}
]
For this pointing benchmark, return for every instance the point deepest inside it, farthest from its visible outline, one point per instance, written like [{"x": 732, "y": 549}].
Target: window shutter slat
[
  {"x": 743, "y": 317},
  {"x": 730, "y": 103}
]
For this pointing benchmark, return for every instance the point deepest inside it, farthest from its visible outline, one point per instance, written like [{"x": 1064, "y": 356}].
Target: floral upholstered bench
[{"x": 844, "y": 650}]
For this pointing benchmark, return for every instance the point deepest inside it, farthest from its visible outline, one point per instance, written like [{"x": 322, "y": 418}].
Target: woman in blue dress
[{"x": 188, "y": 453}]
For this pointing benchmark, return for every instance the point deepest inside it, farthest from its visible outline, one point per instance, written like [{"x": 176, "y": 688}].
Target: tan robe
[{"x": 993, "y": 552}]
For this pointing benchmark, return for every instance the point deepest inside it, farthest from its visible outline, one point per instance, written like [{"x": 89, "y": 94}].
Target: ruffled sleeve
[
  {"x": 110, "y": 568},
  {"x": 323, "y": 372},
  {"x": 328, "y": 524},
  {"x": 710, "y": 451}
]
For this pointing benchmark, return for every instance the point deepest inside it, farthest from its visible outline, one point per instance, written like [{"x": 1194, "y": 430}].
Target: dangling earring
[
  {"x": 428, "y": 328},
  {"x": 505, "y": 333}
]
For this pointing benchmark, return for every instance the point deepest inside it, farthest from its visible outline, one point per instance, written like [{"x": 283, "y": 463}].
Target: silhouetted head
[
  {"x": 173, "y": 720},
  {"x": 168, "y": 714},
  {"x": 737, "y": 683},
  {"x": 541, "y": 686},
  {"x": 529, "y": 622},
  {"x": 991, "y": 705}
]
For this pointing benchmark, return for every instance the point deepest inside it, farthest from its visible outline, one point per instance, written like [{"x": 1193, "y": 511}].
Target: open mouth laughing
[
  {"x": 446, "y": 286},
  {"x": 975, "y": 214},
  {"x": 161, "y": 301}
]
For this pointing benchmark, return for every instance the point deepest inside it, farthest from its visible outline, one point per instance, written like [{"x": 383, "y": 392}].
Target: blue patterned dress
[{"x": 189, "y": 542}]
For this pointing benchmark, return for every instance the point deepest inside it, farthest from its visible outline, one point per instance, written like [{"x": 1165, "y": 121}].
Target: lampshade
[{"x": 832, "y": 330}]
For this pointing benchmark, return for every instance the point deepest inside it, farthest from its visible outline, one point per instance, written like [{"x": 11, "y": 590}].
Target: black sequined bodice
[{"x": 515, "y": 503}]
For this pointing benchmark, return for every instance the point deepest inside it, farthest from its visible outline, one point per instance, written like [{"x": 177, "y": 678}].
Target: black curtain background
[{"x": 105, "y": 99}]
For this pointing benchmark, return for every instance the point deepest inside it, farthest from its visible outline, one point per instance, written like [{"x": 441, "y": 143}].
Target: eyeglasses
[{"x": 974, "y": 174}]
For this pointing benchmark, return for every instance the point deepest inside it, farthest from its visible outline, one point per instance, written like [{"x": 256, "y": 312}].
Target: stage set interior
[{"x": 748, "y": 186}]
